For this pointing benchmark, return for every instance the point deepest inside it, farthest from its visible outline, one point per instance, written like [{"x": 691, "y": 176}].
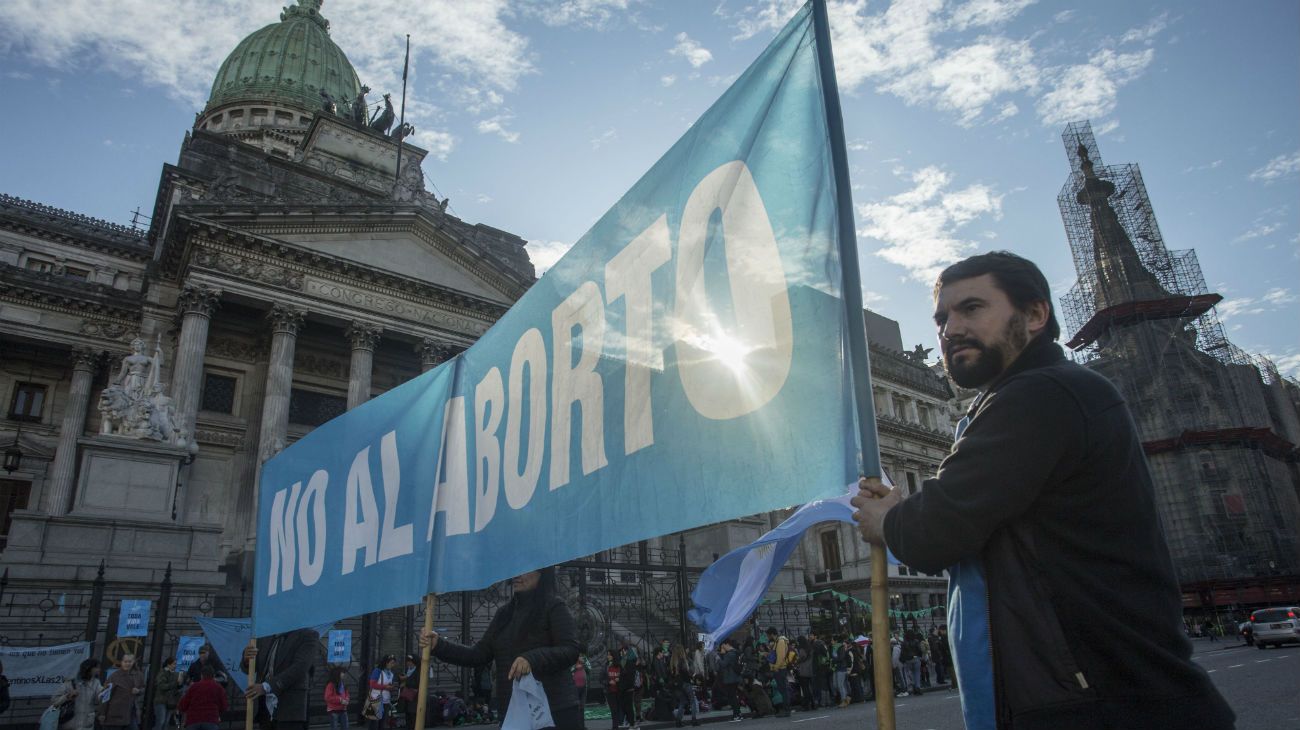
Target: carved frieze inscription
[{"x": 375, "y": 302}]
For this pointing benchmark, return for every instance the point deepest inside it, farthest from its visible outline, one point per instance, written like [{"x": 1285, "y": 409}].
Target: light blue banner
[
  {"x": 229, "y": 636},
  {"x": 682, "y": 365},
  {"x": 340, "y": 646},
  {"x": 187, "y": 651},
  {"x": 133, "y": 619}
]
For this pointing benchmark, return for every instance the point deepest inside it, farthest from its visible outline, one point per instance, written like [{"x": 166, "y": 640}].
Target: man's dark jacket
[
  {"x": 1048, "y": 486},
  {"x": 287, "y": 662},
  {"x": 545, "y": 635}
]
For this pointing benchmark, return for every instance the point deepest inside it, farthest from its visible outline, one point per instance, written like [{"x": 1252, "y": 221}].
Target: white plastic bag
[
  {"x": 528, "y": 709},
  {"x": 50, "y": 718}
]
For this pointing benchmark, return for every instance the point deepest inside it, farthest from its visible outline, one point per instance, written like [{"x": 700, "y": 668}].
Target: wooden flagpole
[
  {"x": 859, "y": 357},
  {"x": 430, "y": 601},
  {"x": 250, "y": 703}
]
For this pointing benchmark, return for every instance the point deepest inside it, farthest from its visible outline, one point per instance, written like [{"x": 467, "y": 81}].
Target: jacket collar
[{"x": 1040, "y": 352}]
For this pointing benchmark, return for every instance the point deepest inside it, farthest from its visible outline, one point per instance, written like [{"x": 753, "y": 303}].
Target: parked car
[
  {"x": 1276, "y": 626},
  {"x": 1247, "y": 632}
]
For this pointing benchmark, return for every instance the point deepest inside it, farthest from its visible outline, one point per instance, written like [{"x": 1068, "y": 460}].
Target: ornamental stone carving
[
  {"x": 436, "y": 352},
  {"x": 135, "y": 403},
  {"x": 285, "y": 319},
  {"x": 319, "y": 365},
  {"x": 363, "y": 335},
  {"x": 106, "y": 330},
  {"x": 198, "y": 299},
  {"x": 234, "y": 349},
  {"x": 249, "y": 269},
  {"x": 86, "y": 358}
]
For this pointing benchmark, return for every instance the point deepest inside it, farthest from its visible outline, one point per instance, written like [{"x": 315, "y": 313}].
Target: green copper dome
[{"x": 287, "y": 63}]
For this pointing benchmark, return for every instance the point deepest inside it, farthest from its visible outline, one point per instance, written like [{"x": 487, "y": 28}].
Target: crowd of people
[
  {"x": 764, "y": 675},
  {"x": 99, "y": 699}
]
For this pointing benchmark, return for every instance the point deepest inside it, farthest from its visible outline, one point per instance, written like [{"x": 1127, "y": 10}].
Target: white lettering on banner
[
  {"x": 282, "y": 539},
  {"x": 726, "y": 370},
  {"x": 627, "y": 277},
  {"x": 578, "y": 383},
  {"x": 489, "y": 399},
  {"x": 763, "y": 336},
  {"x": 530, "y": 351},
  {"x": 311, "y": 558},
  {"x": 451, "y": 495},
  {"x": 360, "y": 514},
  {"x": 396, "y": 539}
]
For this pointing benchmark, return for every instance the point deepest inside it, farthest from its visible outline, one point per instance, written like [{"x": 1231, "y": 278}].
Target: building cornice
[
  {"x": 60, "y": 294},
  {"x": 62, "y": 226}
]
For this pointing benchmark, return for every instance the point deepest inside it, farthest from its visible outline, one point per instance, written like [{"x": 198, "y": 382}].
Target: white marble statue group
[{"x": 135, "y": 403}]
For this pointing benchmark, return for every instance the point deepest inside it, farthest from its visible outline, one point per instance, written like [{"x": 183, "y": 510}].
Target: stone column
[
  {"x": 363, "y": 336},
  {"x": 196, "y": 304},
  {"x": 63, "y": 472},
  {"x": 435, "y": 352},
  {"x": 285, "y": 321}
]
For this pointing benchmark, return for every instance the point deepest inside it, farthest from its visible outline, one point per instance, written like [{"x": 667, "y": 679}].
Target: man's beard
[{"x": 990, "y": 360}]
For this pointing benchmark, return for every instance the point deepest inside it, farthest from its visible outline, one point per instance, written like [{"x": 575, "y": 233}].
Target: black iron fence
[{"x": 637, "y": 596}]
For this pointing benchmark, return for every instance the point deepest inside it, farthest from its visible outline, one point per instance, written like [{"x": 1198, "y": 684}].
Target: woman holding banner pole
[{"x": 532, "y": 634}]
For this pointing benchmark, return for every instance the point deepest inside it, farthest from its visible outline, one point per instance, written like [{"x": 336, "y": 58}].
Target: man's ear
[{"x": 1036, "y": 316}]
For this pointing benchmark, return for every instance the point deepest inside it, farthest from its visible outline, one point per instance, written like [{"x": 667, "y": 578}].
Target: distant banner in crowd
[
  {"x": 229, "y": 637},
  {"x": 187, "y": 651},
  {"x": 133, "y": 619},
  {"x": 40, "y": 671},
  {"x": 340, "y": 646},
  {"x": 683, "y": 364}
]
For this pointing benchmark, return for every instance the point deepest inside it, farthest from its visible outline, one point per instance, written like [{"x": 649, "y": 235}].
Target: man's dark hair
[
  {"x": 206, "y": 672},
  {"x": 771, "y": 631},
  {"x": 1018, "y": 277}
]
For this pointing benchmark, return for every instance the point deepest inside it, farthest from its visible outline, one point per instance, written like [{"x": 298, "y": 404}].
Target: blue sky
[{"x": 539, "y": 115}]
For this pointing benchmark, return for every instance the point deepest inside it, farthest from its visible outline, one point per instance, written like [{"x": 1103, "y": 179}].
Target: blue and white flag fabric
[
  {"x": 228, "y": 637},
  {"x": 729, "y": 590},
  {"x": 683, "y": 364}
]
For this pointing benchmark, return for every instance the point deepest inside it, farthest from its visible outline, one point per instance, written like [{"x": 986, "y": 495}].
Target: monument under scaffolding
[{"x": 1219, "y": 426}]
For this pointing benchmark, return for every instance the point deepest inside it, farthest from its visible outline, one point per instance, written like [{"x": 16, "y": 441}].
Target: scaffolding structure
[{"x": 1218, "y": 424}]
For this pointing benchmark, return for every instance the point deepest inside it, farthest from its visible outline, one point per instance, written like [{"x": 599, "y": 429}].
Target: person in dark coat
[
  {"x": 1064, "y": 607},
  {"x": 533, "y": 633},
  {"x": 285, "y": 666},
  {"x": 126, "y": 684},
  {"x": 729, "y": 675},
  {"x": 207, "y": 658}
]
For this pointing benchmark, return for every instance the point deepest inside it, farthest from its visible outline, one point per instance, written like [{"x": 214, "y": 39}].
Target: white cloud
[
  {"x": 667, "y": 80},
  {"x": 1147, "y": 33},
  {"x": 901, "y": 51},
  {"x": 1278, "y": 167},
  {"x": 692, "y": 51},
  {"x": 176, "y": 47},
  {"x": 544, "y": 254},
  {"x": 987, "y": 12},
  {"x": 587, "y": 13},
  {"x": 1259, "y": 230},
  {"x": 604, "y": 138},
  {"x": 497, "y": 125},
  {"x": 1090, "y": 90},
  {"x": 483, "y": 198},
  {"x": 919, "y": 227},
  {"x": 1288, "y": 364},
  {"x": 438, "y": 143},
  {"x": 1271, "y": 300},
  {"x": 1207, "y": 166}
]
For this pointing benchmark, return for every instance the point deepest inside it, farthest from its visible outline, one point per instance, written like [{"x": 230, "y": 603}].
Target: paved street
[{"x": 1263, "y": 687}]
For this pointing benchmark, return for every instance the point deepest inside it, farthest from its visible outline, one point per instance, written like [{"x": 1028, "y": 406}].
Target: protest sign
[
  {"x": 134, "y": 619},
  {"x": 40, "y": 671}
]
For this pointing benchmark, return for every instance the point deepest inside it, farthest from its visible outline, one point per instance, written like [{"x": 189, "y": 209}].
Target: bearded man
[{"x": 1063, "y": 607}]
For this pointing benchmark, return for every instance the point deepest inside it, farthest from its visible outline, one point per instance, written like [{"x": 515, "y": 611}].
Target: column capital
[
  {"x": 285, "y": 318},
  {"x": 363, "y": 335},
  {"x": 435, "y": 352},
  {"x": 198, "y": 299},
  {"x": 86, "y": 358}
]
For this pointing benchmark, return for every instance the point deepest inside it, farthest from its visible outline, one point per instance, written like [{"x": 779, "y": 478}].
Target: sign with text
[
  {"x": 133, "y": 619},
  {"x": 187, "y": 651},
  {"x": 41, "y": 671},
  {"x": 340, "y": 646},
  {"x": 684, "y": 363}
]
